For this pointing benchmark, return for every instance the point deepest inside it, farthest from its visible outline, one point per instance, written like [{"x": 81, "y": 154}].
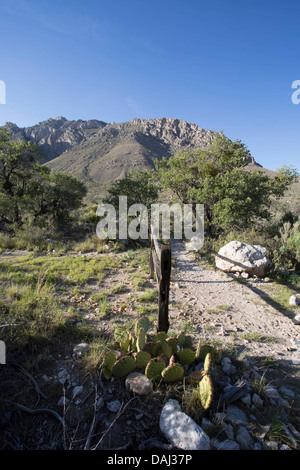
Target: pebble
[
  {"x": 81, "y": 348},
  {"x": 77, "y": 390},
  {"x": 114, "y": 406},
  {"x": 228, "y": 444},
  {"x": 257, "y": 401},
  {"x": 236, "y": 416},
  {"x": 243, "y": 437},
  {"x": 63, "y": 401}
]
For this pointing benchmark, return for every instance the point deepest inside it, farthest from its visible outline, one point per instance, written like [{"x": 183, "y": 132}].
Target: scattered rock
[
  {"x": 63, "y": 376},
  {"x": 257, "y": 401},
  {"x": 77, "y": 390},
  {"x": 294, "y": 300},
  {"x": 244, "y": 438},
  {"x": 114, "y": 406},
  {"x": 63, "y": 401},
  {"x": 236, "y": 416},
  {"x": 228, "y": 444},
  {"x": 138, "y": 383},
  {"x": 81, "y": 348},
  {"x": 181, "y": 430}
]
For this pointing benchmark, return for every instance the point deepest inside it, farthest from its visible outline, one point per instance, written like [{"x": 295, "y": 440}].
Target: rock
[
  {"x": 80, "y": 349},
  {"x": 228, "y": 429},
  {"x": 296, "y": 319},
  {"x": 228, "y": 444},
  {"x": 294, "y": 300},
  {"x": 271, "y": 393},
  {"x": 256, "y": 446},
  {"x": 257, "y": 401},
  {"x": 238, "y": 257},
  {"x": 181, "y": 430},
  {"x": 138, "y": 383},
  {"x": 236, "y": 416},
  {"x": 270, "y": 445},
  {"x": 243, "y": 437},
  {"x": 63, "y": 376},
  {"x": 287, "y": 392},
  {"x": 63, "y": 401},
  {"x": 77, "y": 390},
  {"x": 246, "y": 399},
  {"x": 114, "y": 406}
]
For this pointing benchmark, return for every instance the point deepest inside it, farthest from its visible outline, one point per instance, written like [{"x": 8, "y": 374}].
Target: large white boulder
[
  {"x": 240, "y": 257},
  {"x": 181, "y": 430}
]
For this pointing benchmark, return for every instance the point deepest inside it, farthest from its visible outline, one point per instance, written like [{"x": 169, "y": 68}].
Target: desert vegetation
[{"x": 61, "y": 286}]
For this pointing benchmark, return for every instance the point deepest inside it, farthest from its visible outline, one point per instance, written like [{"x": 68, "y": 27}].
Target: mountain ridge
[{"x": 98, "y": 153}]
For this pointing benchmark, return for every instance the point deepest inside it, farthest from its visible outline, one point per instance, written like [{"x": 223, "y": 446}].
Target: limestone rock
[
  {"x": 138, "y": 383},
  {"x": 181, "y": 430},
  {"x": 294, "y": 300},
  {"x": 238, "y": 257}
]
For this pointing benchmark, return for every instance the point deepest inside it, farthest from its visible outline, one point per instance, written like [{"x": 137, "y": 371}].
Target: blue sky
[{"x": 223, "y": 65}]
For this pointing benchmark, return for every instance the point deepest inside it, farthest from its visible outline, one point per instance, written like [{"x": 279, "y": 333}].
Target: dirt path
[{"x": 217, "y": 307}]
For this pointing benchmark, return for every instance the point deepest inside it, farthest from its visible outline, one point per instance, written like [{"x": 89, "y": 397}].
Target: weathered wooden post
[{"x": 160, "y": 264}]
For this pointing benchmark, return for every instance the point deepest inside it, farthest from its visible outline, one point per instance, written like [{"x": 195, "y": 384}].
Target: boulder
[
  {"x": 239, "y": 257},
  {"x": 181, "y": 430}
]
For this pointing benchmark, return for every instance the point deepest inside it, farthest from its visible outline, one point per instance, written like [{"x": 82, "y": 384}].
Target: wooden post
[
  {"x": 164, "y": 286},
  {"x": 160, "y": 264}
]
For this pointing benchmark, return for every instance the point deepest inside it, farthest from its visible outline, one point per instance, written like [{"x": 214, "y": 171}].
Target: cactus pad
[
  {"x": 181, "y": 339},
  {"x": 186, "y": 356},
  {"x": 142, "y": 358},
  {"x": 162, "y": 347},
  {"x": 205, "y": 391},
  {"x": 154, "y": 369},
  {"x": 160, "y": 336},
  {"x": 109, "y": 359},
  {"x": 141, "y": 339},
  {"x": 173, "y": 343},
  {"x": 173, "y": 373},
  {"x": 123, "y": 366},
  {"x": 207, "y": 362},
  {"x": 142, "y": 322}
]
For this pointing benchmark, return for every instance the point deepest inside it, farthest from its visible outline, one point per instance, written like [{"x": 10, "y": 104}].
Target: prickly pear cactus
[
  {"x": 173, "y": 372},
  {"x": 123, "y": 366},
  {"x": 142, "y": 322},
  {"x": 207, "y": 362},
  {"x": 107, "y": 364},
  {"x": 186, "y": 356},
  {"x": 162, "y": 347},
  {"x": 160, "y": 336},
  {"x": 181, "y": 340},
  {"x": 141, "y": 339},
  {"x": 142, "y": 358},
  {"x": 173, "y": 343},
  {"x": 154, "y": 369},
  {"x": 205, "y": 391}
]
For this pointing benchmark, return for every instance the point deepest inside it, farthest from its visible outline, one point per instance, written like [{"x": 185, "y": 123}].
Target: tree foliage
[
  {"x": 139, "y": 187},
  {"x": 27, "y": 188},
  {"x": 215, "y": 176}
]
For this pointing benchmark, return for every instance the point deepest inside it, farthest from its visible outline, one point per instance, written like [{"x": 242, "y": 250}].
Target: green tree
[
  {"x": 216, "y": 176},
  {"x": 29, "y": 188},
  {"x": 139, "y": 187}
]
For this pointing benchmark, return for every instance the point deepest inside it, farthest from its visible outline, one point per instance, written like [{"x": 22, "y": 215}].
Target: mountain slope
[{"x": 54, "y": 136}]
